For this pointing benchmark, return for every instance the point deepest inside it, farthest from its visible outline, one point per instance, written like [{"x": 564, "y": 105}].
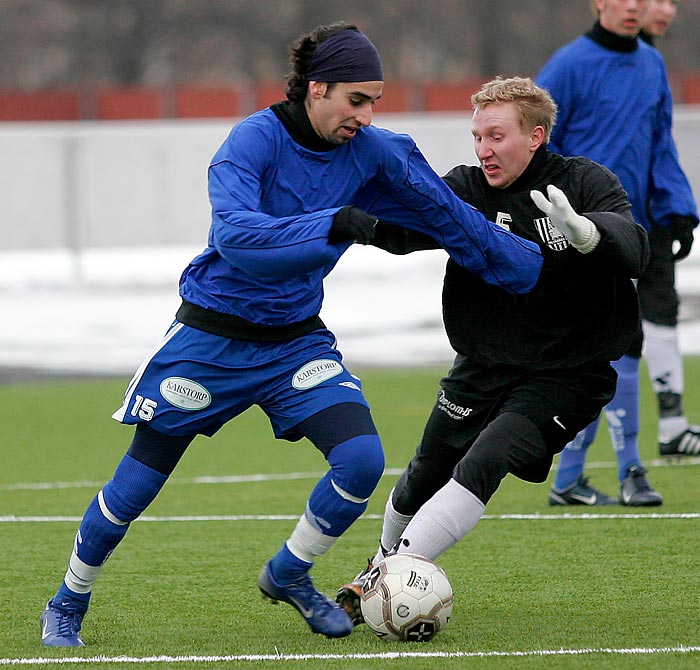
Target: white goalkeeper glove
[{"x": 579, "y": 230}]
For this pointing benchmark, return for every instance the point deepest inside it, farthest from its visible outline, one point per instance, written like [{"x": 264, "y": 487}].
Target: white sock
[
  {"x": 80, "y": 576},
  {"x": 308, "y": 542},
  {"x": 442, "y": 521},
  {"x": 393, "y": 525},
  {"x": 663, "y": 358},
  {"x": 671, "y": 427},
  {"x": 665, "y": 365}
]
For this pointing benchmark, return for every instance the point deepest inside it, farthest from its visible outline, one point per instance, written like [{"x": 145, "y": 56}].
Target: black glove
[
  {"x": 682, "y": 232},
  {"x": 399, "y": 240},
  {"x": 351, "y": 223}
]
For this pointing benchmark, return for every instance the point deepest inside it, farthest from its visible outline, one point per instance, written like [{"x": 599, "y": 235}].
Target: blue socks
[
  {"x": 622, "y": 414},
  {"x": 132, "y": 488},
  {"x": 70, "y": 600},
  {"x": 338, "y": 499},
  {"x": 286, "y": 568},
  {"x": 573, "y": 459}
]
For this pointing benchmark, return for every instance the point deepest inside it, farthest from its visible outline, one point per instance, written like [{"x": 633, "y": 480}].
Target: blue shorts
[{"x": 195, "y": 382}]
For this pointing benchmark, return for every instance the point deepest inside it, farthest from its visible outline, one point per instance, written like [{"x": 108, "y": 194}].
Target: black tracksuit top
[{"x": 584, "y": 308}]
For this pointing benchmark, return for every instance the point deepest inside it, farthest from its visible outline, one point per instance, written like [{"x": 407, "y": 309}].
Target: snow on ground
[{"x": 103, "y": 311}]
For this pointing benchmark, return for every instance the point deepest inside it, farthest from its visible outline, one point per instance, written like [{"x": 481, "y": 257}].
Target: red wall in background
[
  {"x": 129, "y": 103},
  {"x": 194, "y": 101},
  {"x": 39, "y": 105},
  {"x": 198, "y": 102}
]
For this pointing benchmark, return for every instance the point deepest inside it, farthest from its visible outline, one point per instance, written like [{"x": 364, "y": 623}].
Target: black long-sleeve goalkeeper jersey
[{"x": 584, "y": 308}]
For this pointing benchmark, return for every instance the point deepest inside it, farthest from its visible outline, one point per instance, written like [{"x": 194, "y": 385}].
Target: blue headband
[{"x": 346, "y": 56}]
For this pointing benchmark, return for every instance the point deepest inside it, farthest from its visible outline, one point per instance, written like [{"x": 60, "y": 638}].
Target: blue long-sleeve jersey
[
  {"x": 615, "y": 107},
  {"x": 273, "y": 203}
]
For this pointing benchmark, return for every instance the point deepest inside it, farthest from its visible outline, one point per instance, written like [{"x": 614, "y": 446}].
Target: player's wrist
[{"x": 587, "y": 235}]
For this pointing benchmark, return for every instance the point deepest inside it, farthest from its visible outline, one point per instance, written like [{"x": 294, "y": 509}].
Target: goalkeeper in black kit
[{"x": 530, "y": 371}]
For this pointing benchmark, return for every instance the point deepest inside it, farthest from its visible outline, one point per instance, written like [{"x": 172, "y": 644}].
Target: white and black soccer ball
[{"x": 406, "y": 598}]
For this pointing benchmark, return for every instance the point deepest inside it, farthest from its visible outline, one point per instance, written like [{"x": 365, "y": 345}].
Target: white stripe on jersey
[{"x": 119, "y": 414}]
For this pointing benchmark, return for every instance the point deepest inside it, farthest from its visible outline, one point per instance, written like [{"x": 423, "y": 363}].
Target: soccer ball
[{"x": 406, "y": 598}]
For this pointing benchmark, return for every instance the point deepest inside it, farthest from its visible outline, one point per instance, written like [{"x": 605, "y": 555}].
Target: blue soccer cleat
[
  {"x": 321, "y": 613},
  {"x": 60, "y": 625}
]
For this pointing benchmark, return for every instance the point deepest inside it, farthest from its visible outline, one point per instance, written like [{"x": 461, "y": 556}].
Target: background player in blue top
[
  {"x": 290, "y": 189},
  {"x": 658, "y": 296},
  {"x": 615, "y": 107}
]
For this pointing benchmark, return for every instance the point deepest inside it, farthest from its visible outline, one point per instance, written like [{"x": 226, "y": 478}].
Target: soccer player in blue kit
[
  {"x": 658, "y": 295},
  {"x": 291, "y": 188},
  {"x": 615, "y": 107}
]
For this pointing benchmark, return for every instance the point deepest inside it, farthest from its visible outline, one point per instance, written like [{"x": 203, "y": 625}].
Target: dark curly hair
[{"x": 301, "y": 53}]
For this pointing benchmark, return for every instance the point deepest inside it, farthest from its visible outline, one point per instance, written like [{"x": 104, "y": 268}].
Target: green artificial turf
[{"x": 535, "y": 586}]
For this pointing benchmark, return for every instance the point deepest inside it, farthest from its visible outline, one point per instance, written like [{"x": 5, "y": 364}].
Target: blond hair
[{"x": 536, "y": 106}]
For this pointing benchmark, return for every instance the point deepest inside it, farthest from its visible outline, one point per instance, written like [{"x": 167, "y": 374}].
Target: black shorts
[
  {"x": 559, "y": 402},
  {"x": 483, "y": 427},
  {"x": 658, "y": 297}
]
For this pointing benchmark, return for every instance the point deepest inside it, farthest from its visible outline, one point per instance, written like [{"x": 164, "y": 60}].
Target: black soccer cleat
[
  {"x": 636, "y": 491},
  {"x": 685, "y": 444},
  {"x": 350, "y": 594},
  {"x": 581, "y": 493}
]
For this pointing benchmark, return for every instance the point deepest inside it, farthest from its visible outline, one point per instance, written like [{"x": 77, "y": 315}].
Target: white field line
[
  {"x": 242, "y": 479},
  {"x": 566, "y": 516},
  {"x": 386, "y": 656}
]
